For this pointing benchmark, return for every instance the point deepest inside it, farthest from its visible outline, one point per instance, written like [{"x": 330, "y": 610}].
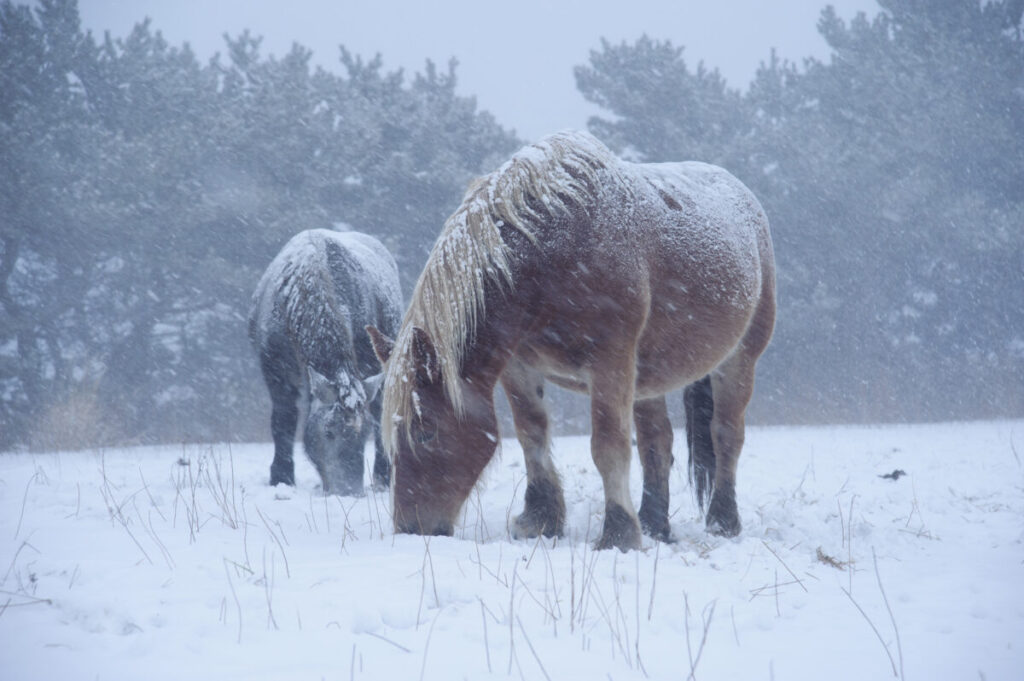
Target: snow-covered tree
[
  {"x": 142, "y": 193},
  {"x": 893, "y": 175}
]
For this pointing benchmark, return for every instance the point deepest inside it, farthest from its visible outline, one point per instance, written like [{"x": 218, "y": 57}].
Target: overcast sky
[{"x": 516, "y": 57}]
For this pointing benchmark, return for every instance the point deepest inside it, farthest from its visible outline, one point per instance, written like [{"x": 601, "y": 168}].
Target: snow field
[{"x": 167, "y": 562}]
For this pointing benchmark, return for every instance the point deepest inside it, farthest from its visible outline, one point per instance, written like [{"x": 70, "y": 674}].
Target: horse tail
[{"x": 697, "y": 399}]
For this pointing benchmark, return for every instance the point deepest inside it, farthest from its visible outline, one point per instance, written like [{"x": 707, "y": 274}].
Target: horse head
[
  {"x": 437, "y": 452},
  {"x": 334, "y": 432}
]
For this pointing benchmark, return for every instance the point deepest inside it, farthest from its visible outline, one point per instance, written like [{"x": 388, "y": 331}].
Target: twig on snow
[
  {"x": 654, "y": 580},
  {"x": 268, "y": 589},
  {"x": 7, "y": 574},
  {"x": 24, "y": 500},
  {"x": 238, "y": 603},
  {"x": 874, "y": 629},
  {"x": 636, "y": 641},
  {"x": 388, "y": 640},
  {"x": 530, "y": 645},
  {"x": 273, "y": 534},
  {"x": 511, "y": 617},
  {"x": 885, "y": 599},
  {"x": 798, "y": 580},
  {"x": 426, "y": 647},
  {"x": 487, "y": 645},
  {"x": 709, "y": 613}
]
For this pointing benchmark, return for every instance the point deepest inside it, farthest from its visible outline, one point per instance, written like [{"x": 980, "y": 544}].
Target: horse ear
[
  {"x": 320, "y": 387},
  {"x": 424, "y": 357},
  {"x": 382, "y": 345},
  {"x": 371, "y": 386}
]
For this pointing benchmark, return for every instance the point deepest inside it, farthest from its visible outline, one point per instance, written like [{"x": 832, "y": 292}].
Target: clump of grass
[{"x": 830, "y": 561}]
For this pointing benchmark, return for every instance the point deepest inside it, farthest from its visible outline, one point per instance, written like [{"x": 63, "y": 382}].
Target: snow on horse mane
[{"x": 558, "y": 172}]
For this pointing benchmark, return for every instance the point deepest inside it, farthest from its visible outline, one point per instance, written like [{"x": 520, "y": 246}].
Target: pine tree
[
  {"x": 142, "y": 193},
  {"x": 893, "y": 177}
]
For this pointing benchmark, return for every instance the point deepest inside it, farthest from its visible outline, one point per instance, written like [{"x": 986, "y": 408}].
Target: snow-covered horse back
[
  {"x": 622, "y": 280},
  {"x": 307, "y": 325}
]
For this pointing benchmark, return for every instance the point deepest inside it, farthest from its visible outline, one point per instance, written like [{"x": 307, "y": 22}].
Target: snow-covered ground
[{"x": 180, "y": 562}]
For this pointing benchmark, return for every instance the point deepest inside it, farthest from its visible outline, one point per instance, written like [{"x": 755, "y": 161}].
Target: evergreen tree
[
  {"x": 46, "y": 170},
  {"x": 641, "y": 83},
  {"x": 143, "y": 193},
  {"x": 893, "y": 178}
]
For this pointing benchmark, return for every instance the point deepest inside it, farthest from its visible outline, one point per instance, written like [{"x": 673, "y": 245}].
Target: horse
[
  {"x": 306, "y": 325},
  {"x": 622, "y": 280}
]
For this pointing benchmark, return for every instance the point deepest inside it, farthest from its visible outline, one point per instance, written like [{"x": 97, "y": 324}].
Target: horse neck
[
  {"x": 503, "y": 326},
  {"x": 329, "y": 356}
]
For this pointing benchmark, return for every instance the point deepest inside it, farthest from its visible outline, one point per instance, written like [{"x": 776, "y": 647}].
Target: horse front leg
[
  {"x": 283, "y": 421},
  {"x": 654, "y": 442},
  {"x": 381, "y": 460},
  {"x": 278, "y": 367},
  {"x": 611, "y": 401},
  {"x": 544, "y": 508}
]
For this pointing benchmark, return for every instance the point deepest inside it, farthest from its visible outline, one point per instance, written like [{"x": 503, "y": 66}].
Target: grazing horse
[
  {"x": 307, "y": 325},
  {"x": 622, "y": 280}
]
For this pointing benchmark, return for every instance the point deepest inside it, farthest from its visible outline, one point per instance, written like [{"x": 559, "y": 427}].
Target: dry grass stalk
[
  {"x": 273, "y": 534},
  {"x": 238, "y": 604},
  {"x": 793, "y": 574},
  {"x": 892, "y": 618},
  {"x": 530, "y": 646},
  {"x": 706, "y": 617}
]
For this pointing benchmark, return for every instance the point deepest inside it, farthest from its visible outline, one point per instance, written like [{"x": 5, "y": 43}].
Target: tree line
[
  {"x": 893, "y": 177},
  {"x": 142, "y": 192}
]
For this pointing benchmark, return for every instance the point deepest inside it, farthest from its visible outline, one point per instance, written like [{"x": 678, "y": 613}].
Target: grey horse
[{"x": 307, "y": 324}]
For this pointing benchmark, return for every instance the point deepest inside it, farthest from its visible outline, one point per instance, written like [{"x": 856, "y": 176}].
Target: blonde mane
[{"x": 555, "y": 175}]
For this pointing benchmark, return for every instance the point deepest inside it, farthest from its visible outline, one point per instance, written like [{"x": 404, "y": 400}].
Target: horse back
[
  {"x": 366, "y": 277},
  {"x": 317, "y": 295},
  {"x": 678, "y": 254}
]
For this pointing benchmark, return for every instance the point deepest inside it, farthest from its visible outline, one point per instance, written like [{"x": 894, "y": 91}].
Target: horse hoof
[
  {"x": 723, "y": 517},
  {"x": 723, "y": 528},
  {"x": 543, "y": 512},
  {"x": 530, "y": 526},
  {"x": 660, "y": 532},
  {"x": 621, "y": 530},
  {"x": 654, "y": 523},
  {"x": 381, "y": 484},
  {"x": 381, "y": 475},
  {"x": 344, "y": 490}
]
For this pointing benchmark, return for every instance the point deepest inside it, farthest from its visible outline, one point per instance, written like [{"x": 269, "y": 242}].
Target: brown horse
[{"x": 622, "y": 280}]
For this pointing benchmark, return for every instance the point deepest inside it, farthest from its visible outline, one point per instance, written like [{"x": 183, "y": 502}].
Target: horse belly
[
  {"x": 672, "y": 354},
  {"x": 689, "y": 333},
  {"x": 558, "y": 358}
]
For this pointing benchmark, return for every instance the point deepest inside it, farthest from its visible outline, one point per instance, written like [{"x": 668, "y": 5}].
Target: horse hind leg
[
  {"x": 654, "y": 442},
  {"x": 732, "y": 385},
  {"x": 544, "y": 509}
]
